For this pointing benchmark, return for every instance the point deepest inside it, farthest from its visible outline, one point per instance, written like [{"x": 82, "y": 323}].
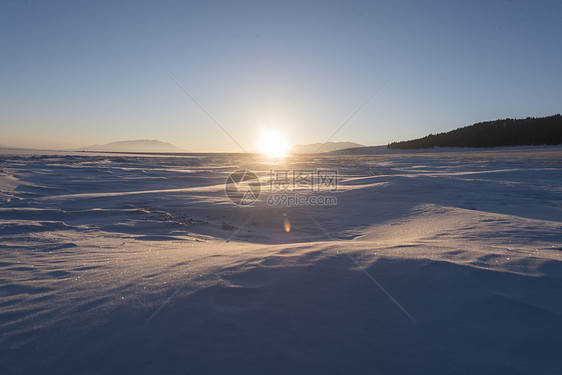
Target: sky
[{"x": 78, "y": 73}]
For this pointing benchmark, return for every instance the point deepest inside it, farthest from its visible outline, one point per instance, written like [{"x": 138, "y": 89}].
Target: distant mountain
[
  {"x": 507, "y": 132},
  {"x": 320, "y": 147},
  {"x": 143, "y": 145},
  {"x": 367, "y": 150}
]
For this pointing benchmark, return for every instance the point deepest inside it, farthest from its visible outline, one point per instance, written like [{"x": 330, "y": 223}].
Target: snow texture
[{"x": 430, "y": 263}]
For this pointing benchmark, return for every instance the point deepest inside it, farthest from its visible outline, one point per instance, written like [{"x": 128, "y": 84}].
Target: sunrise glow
[{"x": 273, "y": 144}]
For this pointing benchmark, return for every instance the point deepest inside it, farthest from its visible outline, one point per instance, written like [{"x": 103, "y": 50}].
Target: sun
[{"x": 273, "y": 144}]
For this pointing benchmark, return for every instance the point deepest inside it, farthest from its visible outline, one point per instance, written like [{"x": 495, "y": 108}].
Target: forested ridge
[{"x": 506, "y": 132}]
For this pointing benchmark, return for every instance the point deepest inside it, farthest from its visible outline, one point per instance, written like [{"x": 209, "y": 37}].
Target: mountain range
[
  {"x": 141, "y": 145},
  {"x": 323, "y": 147}
]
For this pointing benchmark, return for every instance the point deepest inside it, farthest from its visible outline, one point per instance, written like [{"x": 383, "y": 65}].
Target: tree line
[{"x": 506, "y": 132}]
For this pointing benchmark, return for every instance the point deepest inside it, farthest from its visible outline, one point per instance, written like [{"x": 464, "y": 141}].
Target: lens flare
[{"x": 287, "y": 225}]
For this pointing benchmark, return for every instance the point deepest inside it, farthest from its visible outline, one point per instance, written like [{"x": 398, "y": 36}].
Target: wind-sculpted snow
[{"x": 432, "y": 263}]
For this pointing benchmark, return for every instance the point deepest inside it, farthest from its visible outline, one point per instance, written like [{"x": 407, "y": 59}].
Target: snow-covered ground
[{"x": 430, "y": 263}]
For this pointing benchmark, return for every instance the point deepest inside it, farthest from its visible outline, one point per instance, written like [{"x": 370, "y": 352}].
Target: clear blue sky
[{"x": 76, "y": 73}]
